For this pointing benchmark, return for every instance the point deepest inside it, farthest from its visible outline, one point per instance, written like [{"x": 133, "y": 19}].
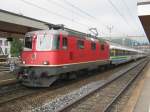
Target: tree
[{"x": 16, "y": 47}]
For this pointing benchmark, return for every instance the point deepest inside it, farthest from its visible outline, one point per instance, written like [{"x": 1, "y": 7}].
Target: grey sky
[{"x": 82, "y": 14}]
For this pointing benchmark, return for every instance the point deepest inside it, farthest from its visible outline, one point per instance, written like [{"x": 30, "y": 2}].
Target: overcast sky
[{"x": 82, "y": 14}]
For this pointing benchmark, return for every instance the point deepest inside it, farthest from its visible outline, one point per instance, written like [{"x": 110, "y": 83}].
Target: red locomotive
[{"x": 50, "y": 54}]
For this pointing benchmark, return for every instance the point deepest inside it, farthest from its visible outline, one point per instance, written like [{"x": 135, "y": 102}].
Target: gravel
[
  {"x": 65, "y": 100},
  {"x": 59, "y": 103}
]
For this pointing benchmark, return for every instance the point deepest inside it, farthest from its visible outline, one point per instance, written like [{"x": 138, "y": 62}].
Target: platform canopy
[
  {"x": 15, "y": 25},
  {"x": 144, "y": 15}
]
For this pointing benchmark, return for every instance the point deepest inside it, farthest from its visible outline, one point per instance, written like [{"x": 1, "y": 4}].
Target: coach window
[
  {"x": 80, "y": 44},
  {"x": 112, "y": 52},
  {"x": 121, "y": 52},
  {"x": 126, "y": 53},
  {"x": 117, "y": 52},
  {"x": 64, "y": 43}
]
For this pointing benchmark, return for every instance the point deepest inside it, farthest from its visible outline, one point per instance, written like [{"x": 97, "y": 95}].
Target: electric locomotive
[{"x": 50, "y": 54}]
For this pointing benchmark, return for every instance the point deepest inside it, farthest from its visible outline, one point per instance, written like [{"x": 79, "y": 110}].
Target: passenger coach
[{"x": 121, "y": 54}]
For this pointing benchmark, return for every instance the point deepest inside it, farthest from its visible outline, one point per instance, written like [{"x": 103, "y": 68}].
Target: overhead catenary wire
[
  {"x": 67, "y": 9},
  {"x": 82, "y": 11},
  {"x": 77, "y": 8},
  {"x": 121, "y": 15},
  {"x": 87, "y": 14},
  {"x": 62, "y": 6},
  {"x": 129, "y": 11},
  {"x": 117, "y": 10},
  {"x": 125, "y": 4},
  {"x": 91, "y": 18},
  {"x": 54, "y": 13},
  {"x": 68, "y": 18}
]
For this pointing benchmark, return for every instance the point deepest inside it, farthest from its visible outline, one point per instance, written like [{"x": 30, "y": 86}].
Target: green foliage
[{"x": 16, "y": 47}]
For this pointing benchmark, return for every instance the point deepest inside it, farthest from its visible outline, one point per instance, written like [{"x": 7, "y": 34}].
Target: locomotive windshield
[
  {"x": 28, "y": 42},
  {"x": 47, "y": 42}
]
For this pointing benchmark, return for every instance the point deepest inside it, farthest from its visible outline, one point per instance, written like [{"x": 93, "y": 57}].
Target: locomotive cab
[
  {"x": 41, "y": 42},
  {"x": 40, "y": 52},
  {"x": 38, "y": 48}
]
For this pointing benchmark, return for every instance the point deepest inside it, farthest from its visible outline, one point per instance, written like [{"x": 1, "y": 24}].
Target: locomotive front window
[
  {"x": 47, "y": 42},
  {"x": 28, "y": 42}
]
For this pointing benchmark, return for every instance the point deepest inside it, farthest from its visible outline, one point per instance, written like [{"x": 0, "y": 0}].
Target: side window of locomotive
[
  {"x": 102, "y": 47},
  {"x": 64, "y": 43},
  {"x": 93, "y": 45},
  {"x": 28, "y": 42},
  {"x": 80, "y": 44}
]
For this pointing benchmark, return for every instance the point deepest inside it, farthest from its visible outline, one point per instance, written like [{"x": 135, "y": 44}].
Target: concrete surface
[{"x": 143, "y": 103}]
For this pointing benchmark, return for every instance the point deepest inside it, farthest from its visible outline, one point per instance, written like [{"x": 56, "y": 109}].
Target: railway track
[
  {"x": 22, "y": 96},
  {"x": 82, "y": 99},
  {"x": 14, "y": 91},
  {"x": 10, "y": 93},
  {"x": 4, "y": 89},
  {"x": 123, "y": 89}
]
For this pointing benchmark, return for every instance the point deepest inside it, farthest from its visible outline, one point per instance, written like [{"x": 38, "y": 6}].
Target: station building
[{"x": 5, "y": 46}]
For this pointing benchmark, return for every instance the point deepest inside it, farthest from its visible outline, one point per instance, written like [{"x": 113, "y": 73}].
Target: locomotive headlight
[
  {"x": 23, "y": 62},
  {"x": 45, "y": 62}
]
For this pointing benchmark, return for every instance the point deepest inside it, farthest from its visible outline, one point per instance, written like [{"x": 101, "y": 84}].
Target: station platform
[
  {"x": 139, "y": 100},
  {"x": 143, "y": 102}
]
